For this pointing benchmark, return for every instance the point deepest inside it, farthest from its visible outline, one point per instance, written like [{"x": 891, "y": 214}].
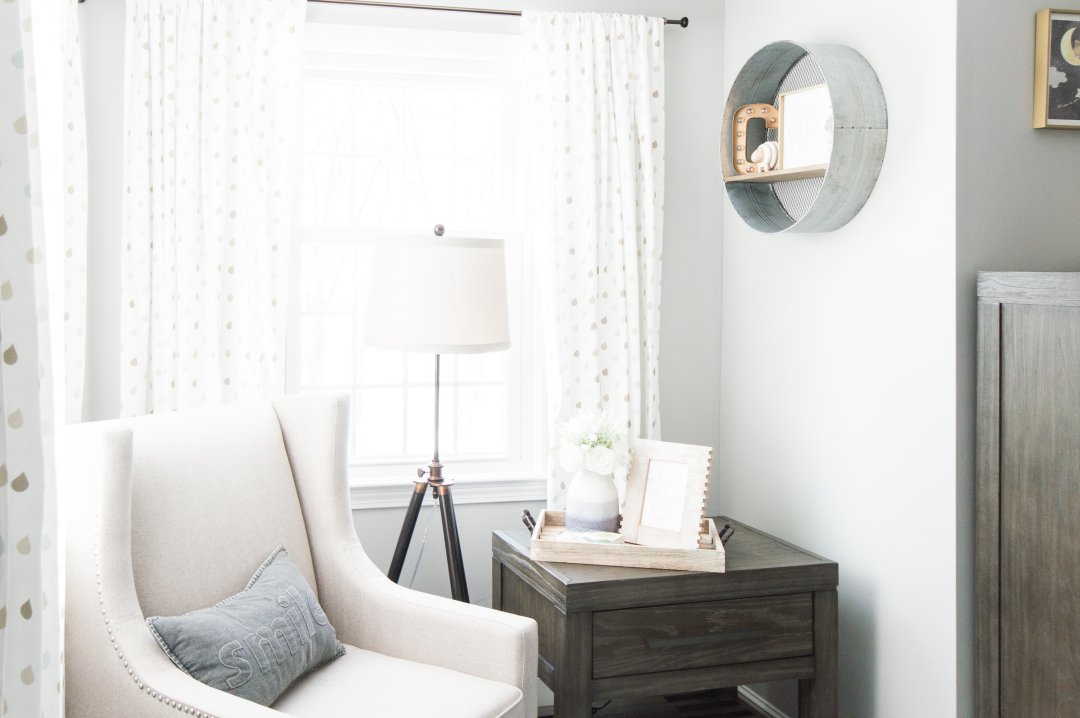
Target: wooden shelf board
[{"x": 781, "y": 175}]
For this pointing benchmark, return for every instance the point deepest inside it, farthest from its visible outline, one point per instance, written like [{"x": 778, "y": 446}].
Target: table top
[{"x": 757, "y": 564}]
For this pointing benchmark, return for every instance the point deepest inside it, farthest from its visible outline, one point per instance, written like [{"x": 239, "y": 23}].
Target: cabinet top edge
[{"x": 1029, "y": 286}]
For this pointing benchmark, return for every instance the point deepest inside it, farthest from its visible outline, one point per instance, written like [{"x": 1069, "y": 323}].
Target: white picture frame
[
  {"x": 665, "y": 494},
  {"x": 806, "y": 127}
]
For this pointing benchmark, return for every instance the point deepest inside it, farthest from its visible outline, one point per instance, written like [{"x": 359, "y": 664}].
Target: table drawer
[{"x": 698, "y": 635}]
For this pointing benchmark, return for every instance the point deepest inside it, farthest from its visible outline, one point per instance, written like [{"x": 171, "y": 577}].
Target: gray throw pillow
[{"x": 256, "y": 643}]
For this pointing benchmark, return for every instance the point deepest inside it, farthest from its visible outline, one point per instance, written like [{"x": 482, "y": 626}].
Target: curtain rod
[{"x": 681, "y": 22}]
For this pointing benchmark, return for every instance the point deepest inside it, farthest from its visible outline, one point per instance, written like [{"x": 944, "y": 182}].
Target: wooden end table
[{"x": 610, "y": 632}]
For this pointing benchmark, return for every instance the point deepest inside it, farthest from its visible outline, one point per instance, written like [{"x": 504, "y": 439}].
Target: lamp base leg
[
  {"x": 408, "y": 526},
  {"x": 458, "y": 589},
  {"x": 455, "y": 564}
]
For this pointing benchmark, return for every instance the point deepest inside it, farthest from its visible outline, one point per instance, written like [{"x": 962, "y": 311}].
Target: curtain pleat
[
  {"x": 595, "y": 87},
  {"x": 210, "y": 93},
  {"x": 31, "y": 679}
]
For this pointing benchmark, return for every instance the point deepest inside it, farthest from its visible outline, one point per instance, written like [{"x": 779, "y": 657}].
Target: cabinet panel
[{"x": 1040, "y": 510}]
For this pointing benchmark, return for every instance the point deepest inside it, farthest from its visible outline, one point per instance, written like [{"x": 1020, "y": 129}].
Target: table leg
[
  {"x": 817, "y": 695},
  {"x": 573, "y": 665},
  {"x": 496, "y": 584}
]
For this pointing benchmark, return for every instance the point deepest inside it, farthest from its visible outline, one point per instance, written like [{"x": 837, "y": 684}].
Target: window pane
[
  {"x": 326, "y": 351},
  {"x": 422, "y": 369},
  {"x": 381, "y": 195},
  {"x": 481, "y": 424},
  {"x": 327, "y": 127},
  {"x": 433, "y": 188},
  {"x": 327, "y": 184},
  {"x": 377, "y": 422},
  {"x": 482, "y": 367},
  {"x": 376, "y": 367},
  {"x": 478, "y": 121},
  {"x": 327, "y": 277},
  {"x": 430, "y": 125},
  {"x": 479, "y": 191},
  {"x": 420, "y": 429},
  {"x": 378, "y": 121}
]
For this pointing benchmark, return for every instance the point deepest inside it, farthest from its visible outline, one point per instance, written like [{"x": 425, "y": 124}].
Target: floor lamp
[{"x": 438, "y": 296}]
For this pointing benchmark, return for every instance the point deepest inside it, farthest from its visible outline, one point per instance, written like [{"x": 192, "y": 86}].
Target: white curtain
[
  {"x": 30, "y": 602},
  {"x": 210, "y": 89},
  {"x": 67, "y": 176},
  {"x": 596, "y": 87}
]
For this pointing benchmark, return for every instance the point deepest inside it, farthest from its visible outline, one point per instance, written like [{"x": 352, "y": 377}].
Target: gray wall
[{"x": 1017, "y": 197}]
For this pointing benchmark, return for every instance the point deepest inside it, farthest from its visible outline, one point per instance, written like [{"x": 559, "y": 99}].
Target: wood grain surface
[
  {"x": 1027, "y": 495},
  {"x": 987, "y": 509},
  {"x": 655, "y": 638},
  {"x": 1040, "y": 511}
]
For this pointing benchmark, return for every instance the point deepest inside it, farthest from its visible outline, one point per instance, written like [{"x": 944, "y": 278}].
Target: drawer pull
[{"x": 705, "y": 639}]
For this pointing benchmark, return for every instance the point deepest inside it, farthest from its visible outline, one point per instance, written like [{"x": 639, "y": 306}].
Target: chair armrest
[
  {"x": 367, "y": 609},
  {"x": 371, "y": 612},
  {"x": 113, "y": 664}
]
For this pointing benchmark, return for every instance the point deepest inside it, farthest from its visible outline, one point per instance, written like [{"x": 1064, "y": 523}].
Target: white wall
[
  {"x": 838, "y": 369},
  {"x": 1016, "y": 211}
]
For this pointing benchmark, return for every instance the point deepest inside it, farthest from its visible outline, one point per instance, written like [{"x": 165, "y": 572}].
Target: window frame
[{"x": 437, "y": 56}]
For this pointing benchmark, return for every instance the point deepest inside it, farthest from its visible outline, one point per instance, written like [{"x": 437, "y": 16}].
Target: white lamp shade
[{"x": 438, "y": 295}]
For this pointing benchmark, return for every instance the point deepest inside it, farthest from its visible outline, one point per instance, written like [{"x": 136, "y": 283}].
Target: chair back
[{"x": 212, "y": 495}]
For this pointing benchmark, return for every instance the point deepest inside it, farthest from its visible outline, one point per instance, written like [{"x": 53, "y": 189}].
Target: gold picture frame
[
  {"x": 1057, "y": 70},
  {"x": 665, "y": 494}
]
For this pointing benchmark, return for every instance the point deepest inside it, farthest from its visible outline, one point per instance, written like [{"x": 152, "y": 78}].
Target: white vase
[{"x": 592, "y": 502}]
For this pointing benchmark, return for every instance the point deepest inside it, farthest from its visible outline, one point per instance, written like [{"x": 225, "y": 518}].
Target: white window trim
[{"x": 394, "y": 494}]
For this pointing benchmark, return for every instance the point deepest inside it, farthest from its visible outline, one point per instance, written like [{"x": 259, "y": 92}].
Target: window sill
[{"x": 391, "y": 493}]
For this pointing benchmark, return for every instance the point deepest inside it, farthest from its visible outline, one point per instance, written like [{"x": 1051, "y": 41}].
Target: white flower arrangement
[{"x": 592, "y": 442}]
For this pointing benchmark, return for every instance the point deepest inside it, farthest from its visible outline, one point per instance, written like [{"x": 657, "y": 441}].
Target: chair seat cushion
[{"x": 363, "y": 683}]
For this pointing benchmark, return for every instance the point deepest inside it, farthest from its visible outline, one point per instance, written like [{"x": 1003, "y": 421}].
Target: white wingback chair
[{"x": 173, "y": 512}]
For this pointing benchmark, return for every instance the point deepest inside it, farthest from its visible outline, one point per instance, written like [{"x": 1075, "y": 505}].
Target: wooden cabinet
[{"x": 1028, "y": 495}]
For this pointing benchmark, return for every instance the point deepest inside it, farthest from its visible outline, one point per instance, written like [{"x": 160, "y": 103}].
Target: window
[{"x": 402, "y": 130}]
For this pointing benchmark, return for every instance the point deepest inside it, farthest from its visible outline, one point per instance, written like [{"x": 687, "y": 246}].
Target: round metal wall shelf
[{"x": 807, "y": 200}]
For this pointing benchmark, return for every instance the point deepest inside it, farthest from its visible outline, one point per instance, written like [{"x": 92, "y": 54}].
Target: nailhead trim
[{"x": 181, "y": 707}]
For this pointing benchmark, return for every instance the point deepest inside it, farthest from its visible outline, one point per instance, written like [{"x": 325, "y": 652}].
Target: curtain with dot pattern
[
  {"x": 210, "y": 89},
  {"x": 30, "y": 602},
  {"x": 69, "y": 174},
  {"x": 595, "y": 87}
]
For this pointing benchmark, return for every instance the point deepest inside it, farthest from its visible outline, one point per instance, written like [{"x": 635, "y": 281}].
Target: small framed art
[
  {"x": 806, "y": 127},
  {"x": 1057, "y": 69},
  {"x": 665, "y": 494}
]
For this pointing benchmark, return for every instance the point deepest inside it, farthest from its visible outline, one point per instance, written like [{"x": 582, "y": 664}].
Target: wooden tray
[{"x": 709, "y": 556}]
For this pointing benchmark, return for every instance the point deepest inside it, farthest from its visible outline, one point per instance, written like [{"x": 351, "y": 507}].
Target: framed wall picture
[
  {"x": 665, "y": 494},
  {"x": 1057, "y": 69},
  {"x": 806, "y": 127}
]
